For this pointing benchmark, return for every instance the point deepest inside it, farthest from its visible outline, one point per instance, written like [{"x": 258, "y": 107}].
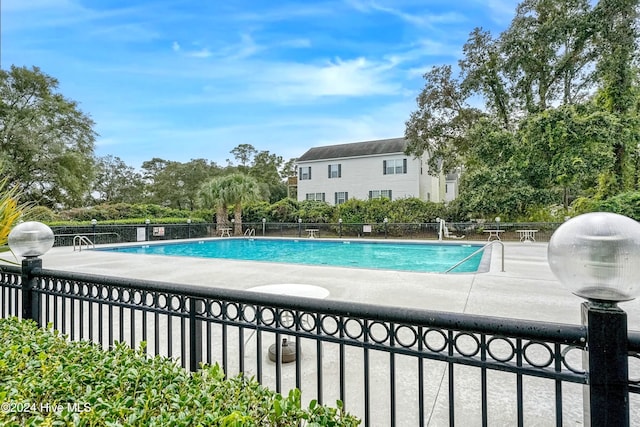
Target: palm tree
[
  {"x": 233, "y": 190},
  {"x": 241, "y": 189},
  {"x": 212, "y": 194}
]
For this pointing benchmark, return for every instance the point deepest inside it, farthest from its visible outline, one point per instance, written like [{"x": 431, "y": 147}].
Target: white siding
[{"x": 359, "y": 175}]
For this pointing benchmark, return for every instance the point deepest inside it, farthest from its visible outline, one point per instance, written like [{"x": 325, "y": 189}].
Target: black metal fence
[
  {"x": 390, "y": 366},
  {"x": 100, "y": 234}
]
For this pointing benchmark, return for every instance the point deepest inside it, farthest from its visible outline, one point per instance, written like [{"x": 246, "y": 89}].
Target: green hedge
[
  {"x": 130, "y": 221},
  {"x": 47, "y": 380},
  {"x": 627, "y": 204}
]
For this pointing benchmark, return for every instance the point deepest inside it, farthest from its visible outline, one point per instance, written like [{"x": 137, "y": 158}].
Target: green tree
[
  {"x": 617, "y": 44},
  {"x": 289, "y": 169},
  {"x": 569, "y": 147},
  {"x": 541, "y": 138},
  {"x": 244, "y": 154},
  {"x": 175, "y": 184},
  {"x": 265, "y": 168},
  {"x": 212, "y": 195},
  {"x": 240, "y": 189},
  {"x": 440, "y": 124},
  {"x": 115, "y": 182},
  {"x": 548, "y": 54},
  {"x": 46, "y": 142},
  {"x": 482, "y": 72},
  {"x": 234, "y": 190}
]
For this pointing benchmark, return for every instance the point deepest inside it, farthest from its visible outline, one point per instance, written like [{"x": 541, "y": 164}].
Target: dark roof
[{"x": 367, "y": 148}]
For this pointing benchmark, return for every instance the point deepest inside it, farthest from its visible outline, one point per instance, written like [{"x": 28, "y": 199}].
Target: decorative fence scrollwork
[{"x": 388, "y": 365}]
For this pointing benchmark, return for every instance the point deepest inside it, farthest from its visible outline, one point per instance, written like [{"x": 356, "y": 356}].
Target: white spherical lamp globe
[
  {"x": 597, "y": 256},
  {"x": 31, "y": 239}
]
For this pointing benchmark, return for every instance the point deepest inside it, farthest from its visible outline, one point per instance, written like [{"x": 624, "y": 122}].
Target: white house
[{"x": 368, "y": 170}]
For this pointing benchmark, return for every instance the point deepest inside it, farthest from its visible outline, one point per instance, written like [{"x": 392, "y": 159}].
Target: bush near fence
[{"x": 52, "y": 381}]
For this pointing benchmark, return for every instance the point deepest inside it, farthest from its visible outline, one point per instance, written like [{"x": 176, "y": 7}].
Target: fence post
[
  {"x": 196, "y": 306},
  {"x": 606, "y": 398},
  {"x": 30, "y": 299},
  {"x": 595, "y": 255}
]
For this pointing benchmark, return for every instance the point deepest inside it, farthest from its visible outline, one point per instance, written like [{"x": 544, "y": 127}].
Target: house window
[
  {"x": 394, "y": 167},
  {"x": 315, "y": 196},
  {"x": 341, "y": 197},
  {"x": 335, "y": 171},
  {"x": 379, "y": 194},
  {"x": 304, "y": 172}
]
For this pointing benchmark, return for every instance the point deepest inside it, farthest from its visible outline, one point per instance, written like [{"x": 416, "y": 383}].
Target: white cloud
[
  {"x": 175, "y": 46},
  {"x": 501, "y": 11},
  {"x": 422, "y": 19},
  {"x": 31, "y": 5},
  {"x": 201, "y": 53},
  {"x": 299, "y": 82},
  {"x": 296, "y": 43},
  {"x": 246, "y": 48}
]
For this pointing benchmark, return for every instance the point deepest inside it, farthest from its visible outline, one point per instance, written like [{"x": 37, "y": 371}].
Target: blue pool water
[{"x": 422, "y": 257}]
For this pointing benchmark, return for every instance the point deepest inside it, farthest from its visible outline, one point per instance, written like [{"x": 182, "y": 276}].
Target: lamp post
[
  {"x": 385, "y": 221},
  {"x": 340, "y": 227},
  {"x": 595, "y": 256},
  {"x": 147, "y": 222},
  {"x": 93, "y": 225},
  {"x": 189, "y": 228},
  {"x": 497, "y": 223},
  {"x": 299, "y": 227},
  {"x": 30, "y": 240},
  {"x": 439, "y": 221},
  {"x": 264, "y": 224}
]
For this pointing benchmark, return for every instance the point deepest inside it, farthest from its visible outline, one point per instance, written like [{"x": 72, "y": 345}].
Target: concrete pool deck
[{"x": 527, "y": 289}]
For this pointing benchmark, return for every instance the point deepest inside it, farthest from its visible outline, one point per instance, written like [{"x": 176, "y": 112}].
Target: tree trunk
[
  {"x": 221, "y": 217},
  {"x": 237, "y": 216}
]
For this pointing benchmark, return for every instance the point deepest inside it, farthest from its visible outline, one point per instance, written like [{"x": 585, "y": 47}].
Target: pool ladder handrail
[
  {"x": 79, "y": 240},
  {"x": 478, "y": 251},
  {"x": 250, "y": 232}
]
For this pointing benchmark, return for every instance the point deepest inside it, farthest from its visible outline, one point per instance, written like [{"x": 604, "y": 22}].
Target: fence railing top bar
[
  {"x": 556, "y": 332},
  {"x": 15, "y": 269}
]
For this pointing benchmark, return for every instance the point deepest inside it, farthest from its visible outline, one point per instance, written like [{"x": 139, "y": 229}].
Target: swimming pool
[{"x": 410, "y": 256}]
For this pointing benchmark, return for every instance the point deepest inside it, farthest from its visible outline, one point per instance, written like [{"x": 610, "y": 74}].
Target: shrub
[
  {"x": 110, "y": 212},
  {"x": 315, "y": 211},
  {"x": 42, "y": 369},
  {"x": 254, "y": 212},
  {"x": 130, "y": 221},
  {"x": 42, "y": 214},
  {"x": 286, "y": 210},
  {"x": 627, "y": 204}
]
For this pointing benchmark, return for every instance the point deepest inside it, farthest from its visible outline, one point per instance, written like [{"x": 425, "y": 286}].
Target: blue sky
[{"x": 185, "y": 79}]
